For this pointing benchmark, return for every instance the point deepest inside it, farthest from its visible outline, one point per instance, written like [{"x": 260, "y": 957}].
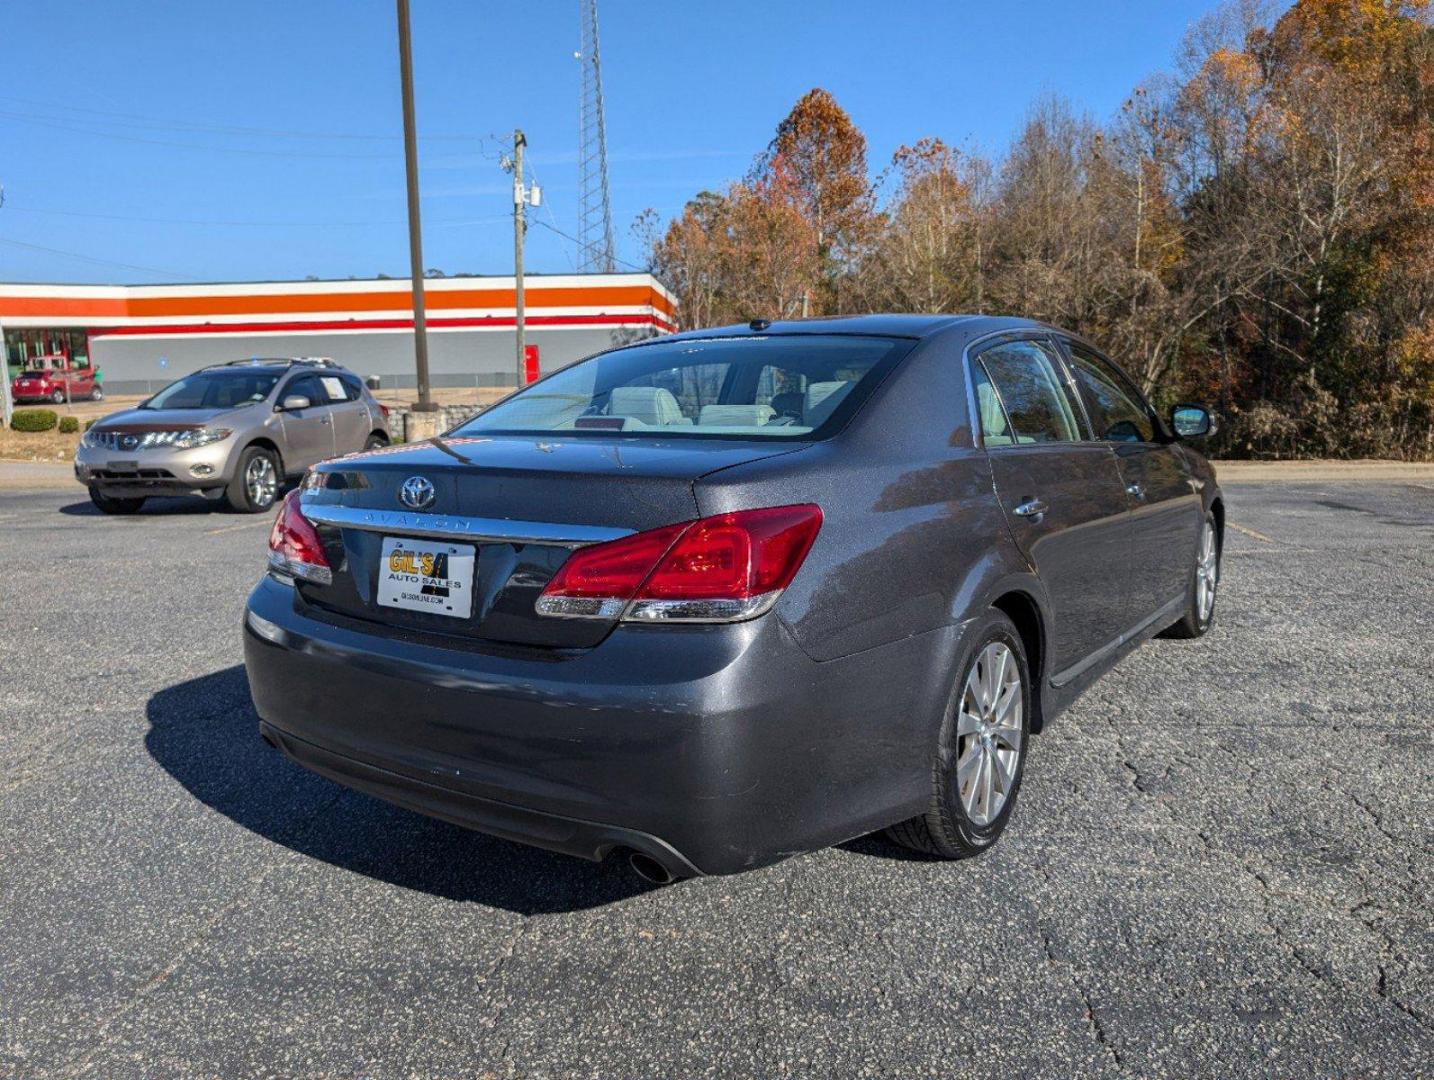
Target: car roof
[
  {"x": 888, "y": 325},
  {"x": 279, "y": 361}
]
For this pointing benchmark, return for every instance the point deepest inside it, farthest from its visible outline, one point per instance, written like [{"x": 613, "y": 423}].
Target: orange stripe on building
[{"x": 299, "y": 303}]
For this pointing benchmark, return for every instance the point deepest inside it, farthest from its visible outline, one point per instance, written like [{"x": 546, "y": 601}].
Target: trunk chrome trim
[{"x": 445, "y": 527}]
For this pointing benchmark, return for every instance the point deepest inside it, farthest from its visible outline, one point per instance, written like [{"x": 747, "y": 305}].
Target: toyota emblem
[{"x": 417, "y": 493}]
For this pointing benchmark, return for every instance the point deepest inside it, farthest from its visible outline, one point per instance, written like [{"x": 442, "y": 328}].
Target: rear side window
[
  {"x": 779, "y": 387},
  {"x": 353, "y": 386},
  {"x": 1022, "y": 397},
  {"x": 1115, "y": 410},
  {"x": 337, "y": 388}
]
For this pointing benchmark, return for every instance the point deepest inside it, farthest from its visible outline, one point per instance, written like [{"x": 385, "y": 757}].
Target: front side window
[
  {"x": 1022, "y": 397},
  {"x": 311, "y": 387},
  {"x": 1115, "y": 412},
  {"x": 780, "y": 387},
  {"x": 216, "y": 388}
]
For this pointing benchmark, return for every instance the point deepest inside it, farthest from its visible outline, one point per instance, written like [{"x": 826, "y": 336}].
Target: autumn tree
[
  {"x": 930, "y": 247},
  {"x": 1255, "y": 229},
  {"x": 818, "y": 158}
]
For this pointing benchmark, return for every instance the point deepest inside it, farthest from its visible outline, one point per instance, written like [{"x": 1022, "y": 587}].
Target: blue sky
[{"x": 209, "y": 140}]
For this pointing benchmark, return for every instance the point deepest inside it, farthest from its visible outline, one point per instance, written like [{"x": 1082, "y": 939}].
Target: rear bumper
[
  {"x": 571, "y": 836},
  {"x": 712, "y": 749}
]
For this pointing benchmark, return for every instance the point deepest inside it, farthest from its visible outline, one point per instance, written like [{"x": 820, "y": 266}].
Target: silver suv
[{"x": 232, "y": 432}]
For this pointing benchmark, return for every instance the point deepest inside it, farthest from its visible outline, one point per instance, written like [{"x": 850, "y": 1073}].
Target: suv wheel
[
  {"x": 1200, "y": 613},
  {"x": 58, "y": 397},
  {"x": 374, "y": 441},
  {"x": 981, "y": 752},
  {"x": 97, "y": 394},
  {"x": 255, "y": 485},
  {"x": 108, "y": 504}
]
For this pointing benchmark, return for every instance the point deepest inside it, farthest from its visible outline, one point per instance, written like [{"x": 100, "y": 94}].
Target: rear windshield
[
  {"x": 215, "y": 390},
  {"x": 785, "y": 387}
]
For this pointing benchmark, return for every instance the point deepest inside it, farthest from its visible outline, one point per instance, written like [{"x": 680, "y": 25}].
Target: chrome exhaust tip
[{"x": 649, "y": 869}]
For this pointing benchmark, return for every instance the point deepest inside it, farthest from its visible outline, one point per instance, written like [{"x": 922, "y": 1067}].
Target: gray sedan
[{"x": 723, "y": 596}]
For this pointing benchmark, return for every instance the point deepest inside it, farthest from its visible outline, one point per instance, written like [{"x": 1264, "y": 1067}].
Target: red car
[{"x": 57, "y": 384}]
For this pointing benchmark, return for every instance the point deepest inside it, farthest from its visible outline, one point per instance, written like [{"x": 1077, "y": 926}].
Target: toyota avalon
[{"x": 719, "y": 597}]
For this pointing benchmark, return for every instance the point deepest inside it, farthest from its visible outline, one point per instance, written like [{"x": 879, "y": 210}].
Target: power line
[
  {"x": 575, "y": 240},
  {"x": 98, "y": 262},
  {"x": 255, "y": 224},
  {"x": 206, "y": 148},
  {"x": 548, "y": 206},
  {"x": 137, "y": 120}
]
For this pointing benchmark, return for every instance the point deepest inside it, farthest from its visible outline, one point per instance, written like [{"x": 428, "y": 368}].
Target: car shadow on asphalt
[
  {"x": 156, "y": 507},
  {"x": 879, "y": 845},
  {"x": 205, "y": 734}
]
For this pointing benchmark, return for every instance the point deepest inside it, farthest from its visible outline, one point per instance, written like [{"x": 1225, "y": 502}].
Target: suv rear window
[{"x": 781, "y": 387}]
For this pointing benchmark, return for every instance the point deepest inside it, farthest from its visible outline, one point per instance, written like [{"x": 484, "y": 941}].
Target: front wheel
[
  {"x": 1200, "y": 613},
  {"x": 256, "y": 481},
  {"x": 981, "y": 752},
  {"x": 108, "y": 504}
]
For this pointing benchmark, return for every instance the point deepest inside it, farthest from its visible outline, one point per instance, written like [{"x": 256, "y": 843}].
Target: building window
[{"x": 22, "y": 346}]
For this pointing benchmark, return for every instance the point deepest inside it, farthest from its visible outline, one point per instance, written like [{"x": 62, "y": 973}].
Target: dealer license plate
[{"x": 427, "y": 575}]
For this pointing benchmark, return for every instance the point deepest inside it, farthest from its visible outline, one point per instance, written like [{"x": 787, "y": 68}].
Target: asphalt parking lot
[{"x": 1221, "y": 864}]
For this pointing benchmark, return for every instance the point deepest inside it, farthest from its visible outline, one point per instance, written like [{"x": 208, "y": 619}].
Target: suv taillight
[
  {"x": 294, "y": 545},
  {"x": 723, "y": 568}
]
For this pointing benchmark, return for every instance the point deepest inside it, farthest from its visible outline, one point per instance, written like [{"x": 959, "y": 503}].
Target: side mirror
[
  {"x": 294, "y": 402},
  {"x": 1192, "y": 421}
]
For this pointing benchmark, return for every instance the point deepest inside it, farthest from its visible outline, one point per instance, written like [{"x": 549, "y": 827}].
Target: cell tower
[{"x": 594, "y": 202}]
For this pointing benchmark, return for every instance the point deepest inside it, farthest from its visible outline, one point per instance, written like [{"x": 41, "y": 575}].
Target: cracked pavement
[{"x": 1221, "y": 864}]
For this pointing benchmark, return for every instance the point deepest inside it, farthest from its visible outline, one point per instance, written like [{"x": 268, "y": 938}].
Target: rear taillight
[
  {"x": 294, "y": 545},
  {"x": 382, "y": 408},
  {"x": 717, "y": 569}
]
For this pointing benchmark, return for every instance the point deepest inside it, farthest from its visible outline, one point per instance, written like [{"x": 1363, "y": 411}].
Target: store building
[{"x": 140, "y": 337}]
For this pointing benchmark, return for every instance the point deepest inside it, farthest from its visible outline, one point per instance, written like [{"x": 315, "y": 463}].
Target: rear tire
[
  {"x": 108, "y": 504},
  {"x": 1200, "y": 612},
  {"x": 97, "y": 394},
  {"x": 981, "y": 751},
  {"x": 58, "y": 397},
  {"x": 255, "y": 486},
  {"x": 374, "y": 441}
]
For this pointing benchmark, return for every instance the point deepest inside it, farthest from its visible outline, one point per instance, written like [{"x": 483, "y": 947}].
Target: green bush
[
  {"x": 69, "y": 425},
  {"x": 34, "y": 419},
  {"x": 91, "y": 423}
]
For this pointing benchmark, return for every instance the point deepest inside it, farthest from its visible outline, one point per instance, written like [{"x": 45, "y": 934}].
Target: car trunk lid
[{"x": 521, "y": 504}]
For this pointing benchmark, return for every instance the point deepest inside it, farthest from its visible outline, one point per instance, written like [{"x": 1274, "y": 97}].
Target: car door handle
[
  {"x": 1031, "y": 508},
  {"x": 1135, "y": 491}
]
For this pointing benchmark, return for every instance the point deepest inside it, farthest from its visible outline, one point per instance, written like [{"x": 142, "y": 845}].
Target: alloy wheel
[
  {"x": 261, "y": 483},
  {"x": 1207, "y": 574},
  {"x": 989, "y": 733}
]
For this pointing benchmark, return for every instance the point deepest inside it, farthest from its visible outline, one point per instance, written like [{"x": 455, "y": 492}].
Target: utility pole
[
  {"x": 523, "y": 197},
  {"x": 520, "y": 226},
  {"x": 415, "y": 228},
  {"x": 7, "y": 405}
]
